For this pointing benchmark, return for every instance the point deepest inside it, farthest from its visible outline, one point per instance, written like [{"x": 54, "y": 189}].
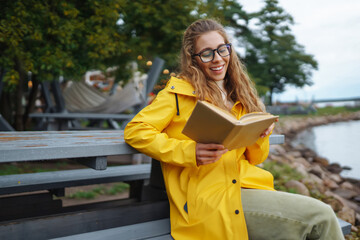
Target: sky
[{"x": 329, "y": 30}]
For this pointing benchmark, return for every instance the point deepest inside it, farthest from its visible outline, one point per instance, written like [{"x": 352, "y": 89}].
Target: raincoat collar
[{"x": 180, "y": 86}]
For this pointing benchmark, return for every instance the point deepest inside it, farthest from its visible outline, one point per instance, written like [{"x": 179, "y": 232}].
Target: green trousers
[{"x": 275, "y": 215}]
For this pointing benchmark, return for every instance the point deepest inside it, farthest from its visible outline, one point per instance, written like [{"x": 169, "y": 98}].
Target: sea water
[{"x": 337, "y": 142}]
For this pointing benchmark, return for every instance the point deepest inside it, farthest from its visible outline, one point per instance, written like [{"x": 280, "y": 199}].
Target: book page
[
  {"x": 252, "y": 117},
  {"x": 220, "y": 111},
  {"x": 247, "y": 134}
]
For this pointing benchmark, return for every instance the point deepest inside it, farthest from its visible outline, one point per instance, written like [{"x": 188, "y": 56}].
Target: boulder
[
  {"x": 323, "y": 161},
  {"x": 317, "y": 170},
  {"x": 330, "y": 183},
  {"x": 303, "y": 161},
  {"x": 298, "y": 186},
  {"x": 334, "y": 168},
  {"x": 300, "y": 168},
  {"x": 277, "y": 149},
  {"x": 336, "y": 178},
  {"x": 347, "y": 185},
  {"x": 314, "y": 183},
  {"x": 345, "y": 193},
  {"x": 295, "y": 154},
  {"x": 347, "y": 214},
  {"x": 335, "y": 204}
]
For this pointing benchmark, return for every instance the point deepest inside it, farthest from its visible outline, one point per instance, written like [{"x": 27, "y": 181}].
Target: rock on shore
[{"x": 320, "y": 178}]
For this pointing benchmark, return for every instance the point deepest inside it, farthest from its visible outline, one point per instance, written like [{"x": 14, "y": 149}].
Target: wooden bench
[{"x": 42, "y": 216}]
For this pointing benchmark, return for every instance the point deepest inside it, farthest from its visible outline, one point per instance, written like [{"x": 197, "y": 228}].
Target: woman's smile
[{"x": 216, "y": 69}]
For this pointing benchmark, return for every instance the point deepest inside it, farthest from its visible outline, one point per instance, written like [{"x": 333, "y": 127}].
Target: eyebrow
[{"x": 209, "y": 48}]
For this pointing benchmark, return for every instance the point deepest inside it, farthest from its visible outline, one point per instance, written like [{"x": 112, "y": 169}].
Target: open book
[{"x": 211, "y": 124}]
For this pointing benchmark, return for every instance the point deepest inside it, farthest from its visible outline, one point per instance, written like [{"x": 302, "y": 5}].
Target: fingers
[
  {"x": 267, "y": 131},
  {"x": 209, "y": 153}
]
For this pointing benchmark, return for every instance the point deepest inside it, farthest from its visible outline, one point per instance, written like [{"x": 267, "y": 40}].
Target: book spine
[{"x": 230, "y": 141}]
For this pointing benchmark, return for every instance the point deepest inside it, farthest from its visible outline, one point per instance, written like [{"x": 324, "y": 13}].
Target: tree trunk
[
  {"x": 31, "y": 101},
  {"x": 6, "y": 101},
  {"x": 271, "y": 97},
  {"x": 19, "y": 94}
]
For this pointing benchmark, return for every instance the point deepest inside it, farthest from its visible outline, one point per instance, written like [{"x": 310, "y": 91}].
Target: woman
[{"x": 215, "y": 193}]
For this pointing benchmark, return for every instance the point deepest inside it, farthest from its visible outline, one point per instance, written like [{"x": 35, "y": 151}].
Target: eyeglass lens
[{"x": 208, "y": 55}]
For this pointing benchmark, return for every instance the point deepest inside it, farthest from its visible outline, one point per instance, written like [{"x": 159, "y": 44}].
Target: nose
[{"x": 217, "y": 57}]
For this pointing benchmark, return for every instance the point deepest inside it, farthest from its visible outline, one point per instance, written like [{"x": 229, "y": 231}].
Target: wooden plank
[
  {"x": 69, "y": 116},
  {"x": 18, "y": 183},
  {"x": 57, "y": 226},
  {"x": 146, "y": 230},
  {"x": 345, "y": 226},
  {"x": 97, "y": 163},
  {"x": 17, "y": 207},
  {"x": 32, "y": 146},
  {"x": 276, "y": 139},
  {"x": 164, "y": 237}
]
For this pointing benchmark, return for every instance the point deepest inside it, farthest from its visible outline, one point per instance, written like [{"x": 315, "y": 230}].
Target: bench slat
[
  {"x": 345, "y": 226},
  {"x": 146, "y": 230},
  {"x": 94, "y": 116},
  {"x": 59, "y": 179},
  {"x": 164, "y": 237},
  {"x": 154, "y": 230},
  {"x": 33, "y": 146}
]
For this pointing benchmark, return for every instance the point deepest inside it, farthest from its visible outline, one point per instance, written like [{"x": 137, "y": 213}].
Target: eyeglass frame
[{"x": 228, "y": 46}]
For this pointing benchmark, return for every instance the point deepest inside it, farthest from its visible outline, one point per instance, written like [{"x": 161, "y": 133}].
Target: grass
[
  {"x": 100, "y": 190},
  {"x": 8, "y": 169},
  {"x": 335, "y": 110},
  {"x": 282, "y": 174}
]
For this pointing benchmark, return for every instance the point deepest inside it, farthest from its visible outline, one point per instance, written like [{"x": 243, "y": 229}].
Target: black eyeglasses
[{"x": 208, "y": 54}]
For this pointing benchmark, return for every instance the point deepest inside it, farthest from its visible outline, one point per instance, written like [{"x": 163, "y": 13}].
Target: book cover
[{"x": 211, "y": 124}]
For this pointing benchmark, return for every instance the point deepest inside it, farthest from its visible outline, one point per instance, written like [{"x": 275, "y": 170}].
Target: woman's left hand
[{"x": 268, "y": 131}]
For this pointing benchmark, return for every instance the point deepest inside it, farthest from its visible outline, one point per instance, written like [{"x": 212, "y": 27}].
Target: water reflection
[{"x": 338, "y": 142}]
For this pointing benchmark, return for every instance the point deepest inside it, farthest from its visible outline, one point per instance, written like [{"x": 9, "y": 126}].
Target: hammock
[{"x": 81, "y": 97}]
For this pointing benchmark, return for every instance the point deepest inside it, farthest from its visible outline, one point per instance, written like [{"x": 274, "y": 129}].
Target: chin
[{"x": 217, "y": 78}]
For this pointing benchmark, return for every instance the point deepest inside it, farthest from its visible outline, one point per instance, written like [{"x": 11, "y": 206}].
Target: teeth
[{"x": 218, "y": 68}]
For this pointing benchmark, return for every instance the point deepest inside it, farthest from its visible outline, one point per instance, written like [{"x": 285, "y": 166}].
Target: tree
[
  {"x": 53, "y": 38},
  {"x": 273, "y": 56},
  {"x": 155, "y": 27}
]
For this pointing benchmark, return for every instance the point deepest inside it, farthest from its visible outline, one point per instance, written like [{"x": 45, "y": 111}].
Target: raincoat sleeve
[
  {"x": 146, "y": 133},
  {"x": 258, "y": 152}
]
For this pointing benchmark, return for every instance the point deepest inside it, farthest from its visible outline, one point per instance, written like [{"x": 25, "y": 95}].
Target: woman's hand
[
  {"x": 209, "y": 153},
  {"x": 268, "y": 131}
]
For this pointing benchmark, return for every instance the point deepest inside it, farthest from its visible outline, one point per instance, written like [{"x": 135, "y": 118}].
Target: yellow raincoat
[{"x": 205, "y": 201}]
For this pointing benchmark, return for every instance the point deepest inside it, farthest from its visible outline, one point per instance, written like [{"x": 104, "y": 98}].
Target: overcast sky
[{"x": 329, "y": 30}]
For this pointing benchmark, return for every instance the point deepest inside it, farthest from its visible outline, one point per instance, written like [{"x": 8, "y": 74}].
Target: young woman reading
[{"x": 215, "y": 193}]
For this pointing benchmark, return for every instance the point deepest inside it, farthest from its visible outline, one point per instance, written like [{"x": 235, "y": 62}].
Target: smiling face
[{"x": 215, "y": 69}]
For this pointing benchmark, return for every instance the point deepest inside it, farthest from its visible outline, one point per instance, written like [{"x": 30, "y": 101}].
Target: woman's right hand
[{"x": 209, "y": 153}]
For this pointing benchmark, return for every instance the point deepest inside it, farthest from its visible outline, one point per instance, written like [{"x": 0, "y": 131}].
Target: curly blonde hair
[{"x": 237, "y": 83}]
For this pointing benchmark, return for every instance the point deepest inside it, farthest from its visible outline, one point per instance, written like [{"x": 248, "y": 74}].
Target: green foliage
[
  {"x": 7, "y": 169},
  {"x": 52, "y": 38},
  {"x": 83, "y": 195},
  {"x": 68, "y": 38},
  {"x": 282, "y": 174},
  {"x": 100, "y": 190},
  {"x": 155, "y": 28},
  {"x": 335, "y": 110},
  {"x": 272, "y": 54}
]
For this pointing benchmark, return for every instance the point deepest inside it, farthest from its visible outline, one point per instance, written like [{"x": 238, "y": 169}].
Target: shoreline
[{"x": 321, "y": 179}]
